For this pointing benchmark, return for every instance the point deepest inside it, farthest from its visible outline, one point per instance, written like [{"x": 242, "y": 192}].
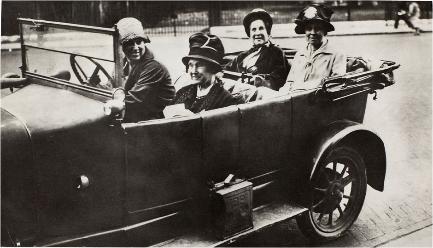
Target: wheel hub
[{"x": 334, "y": 195}]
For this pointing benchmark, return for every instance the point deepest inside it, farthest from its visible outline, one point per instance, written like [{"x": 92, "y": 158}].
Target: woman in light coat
[{"x": 318, "y": 59}]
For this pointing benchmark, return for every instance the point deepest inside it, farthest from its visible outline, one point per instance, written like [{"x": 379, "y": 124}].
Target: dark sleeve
[
  {"x": 184, "y": 95},
  {"x": 232, "y": 65},
  {"x": 153, "y": 88},
  {"x": 225, "y": 99},
  {"x": 280, "y": 70}
]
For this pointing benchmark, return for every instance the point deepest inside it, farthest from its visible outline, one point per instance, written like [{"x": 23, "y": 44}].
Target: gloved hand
[{"x": 113, "y": 107}]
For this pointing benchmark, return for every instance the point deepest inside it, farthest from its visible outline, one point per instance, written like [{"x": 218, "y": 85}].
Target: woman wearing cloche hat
[
  {"x": 148, "y": 86},
  {"x": 318, "y": 59},
  {"x": 205, "y": 89}
]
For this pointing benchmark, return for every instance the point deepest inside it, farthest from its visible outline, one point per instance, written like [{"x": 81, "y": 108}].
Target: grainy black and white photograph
[{"x": 216, "y": 123}]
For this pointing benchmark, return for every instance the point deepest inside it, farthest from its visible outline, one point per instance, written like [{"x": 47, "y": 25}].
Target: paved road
[
  {"x": 420, "y": 238},
  {"x": 401, "y": 115}
]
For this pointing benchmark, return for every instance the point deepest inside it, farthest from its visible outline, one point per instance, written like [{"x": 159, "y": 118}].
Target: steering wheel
[{"x": 84, "y": 79}]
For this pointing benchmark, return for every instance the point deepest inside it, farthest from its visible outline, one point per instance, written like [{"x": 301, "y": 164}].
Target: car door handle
[{"x": 82, "y": 182}]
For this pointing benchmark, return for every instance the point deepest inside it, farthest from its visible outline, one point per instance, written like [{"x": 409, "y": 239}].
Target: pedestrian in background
[
  {"x": 409, "y": 14},
  {"x": 414, "y": 14}
]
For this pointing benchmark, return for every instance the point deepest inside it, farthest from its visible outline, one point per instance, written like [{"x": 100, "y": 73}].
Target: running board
[{"x": 263, "y": 217}]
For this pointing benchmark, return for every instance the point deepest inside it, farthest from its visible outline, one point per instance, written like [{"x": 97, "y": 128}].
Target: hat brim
[
  {"x": 250, "y": 17},
  {"x": 129, "y": 38},
  {"x": 300, "y": 25},
  {"x": 188, "y": 57}
]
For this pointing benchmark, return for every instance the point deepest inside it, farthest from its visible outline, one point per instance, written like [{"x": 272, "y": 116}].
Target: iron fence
[{"x": 183, "y": 17}]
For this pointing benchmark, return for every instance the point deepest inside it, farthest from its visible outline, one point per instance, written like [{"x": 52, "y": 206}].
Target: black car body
[{"x": 74, "y": 175}]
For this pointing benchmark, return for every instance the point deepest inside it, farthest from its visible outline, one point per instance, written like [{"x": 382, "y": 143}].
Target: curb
[
  {"x": 344, "y": 28},
  {"x": 284, "y": 31},
  {"x": 330, "y": 35},
  {"x": 403, "y": 236},
  {"x": 398, "y": 233}
]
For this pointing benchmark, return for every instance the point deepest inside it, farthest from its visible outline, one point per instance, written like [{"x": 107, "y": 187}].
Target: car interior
[
  {"x": 94, "y": 67},
  {"x": 239, "y": 85}
]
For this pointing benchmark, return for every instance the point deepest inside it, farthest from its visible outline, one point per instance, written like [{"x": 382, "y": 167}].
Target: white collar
[
  {"x": 204, "y": 91},
  {"x": 324, "y": 48}
]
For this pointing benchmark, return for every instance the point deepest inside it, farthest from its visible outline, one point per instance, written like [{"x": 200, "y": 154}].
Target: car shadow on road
[
  {"x": 284, "y": 234},
  {"x": 287, "y": 234}
]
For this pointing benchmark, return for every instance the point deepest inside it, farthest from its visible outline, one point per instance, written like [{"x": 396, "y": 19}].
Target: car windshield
[{"x": 50, "y": 49}]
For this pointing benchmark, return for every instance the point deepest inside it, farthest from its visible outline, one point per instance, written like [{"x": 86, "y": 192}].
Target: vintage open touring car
[{"x": 73, "y": 174}]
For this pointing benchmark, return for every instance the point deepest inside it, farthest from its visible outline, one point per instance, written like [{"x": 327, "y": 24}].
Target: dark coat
[
  {"x": 218, "y": 97},
  {"x": 149, "y": 90},
  {"x": 271, "y": 61}
]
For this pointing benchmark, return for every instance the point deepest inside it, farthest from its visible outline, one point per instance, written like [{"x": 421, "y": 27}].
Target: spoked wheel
[{"x": 338, "y": 192}]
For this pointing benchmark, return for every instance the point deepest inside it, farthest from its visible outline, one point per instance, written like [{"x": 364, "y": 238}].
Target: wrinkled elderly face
[
  {"x": 199, "y": 71},
  {"x": 314, "y": 32},
  {"x": 134, "y": 49},
  {"x": 258, "y": 33}
]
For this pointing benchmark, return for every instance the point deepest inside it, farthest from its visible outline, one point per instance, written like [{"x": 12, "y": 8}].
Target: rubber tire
[{"x": 305, "y": 221}]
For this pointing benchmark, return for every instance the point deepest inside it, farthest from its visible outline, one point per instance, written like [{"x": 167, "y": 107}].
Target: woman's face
[
  {"x": 258, "y": 33},
  {"x": 199, "y": 71},
  {"x": 314, "y": 32},
  {"x": 134, "y": 49}
]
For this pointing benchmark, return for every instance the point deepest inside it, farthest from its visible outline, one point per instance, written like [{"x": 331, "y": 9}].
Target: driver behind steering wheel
[{"x": 148, "y": 87}]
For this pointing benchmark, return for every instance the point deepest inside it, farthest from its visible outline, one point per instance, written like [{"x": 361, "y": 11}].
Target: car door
[
  {"x": 265, "y": 135},
  {"x": 163, "y": 160},
  {"x": 265, "y": 132},
  {"x": 221, "y": 147},
  {"x": 312, "y": 113}
]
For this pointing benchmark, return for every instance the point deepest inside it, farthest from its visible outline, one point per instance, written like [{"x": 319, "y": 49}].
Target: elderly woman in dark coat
[
  {"x": 205, "y": 90},
  {"x": 264, "y": 60}
]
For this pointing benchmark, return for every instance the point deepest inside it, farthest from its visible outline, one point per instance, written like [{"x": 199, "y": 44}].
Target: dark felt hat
[
  {"x": 314, "y": 12},
  {"x": 258, "y": 14},
  {"x": 205, "y": 47}
]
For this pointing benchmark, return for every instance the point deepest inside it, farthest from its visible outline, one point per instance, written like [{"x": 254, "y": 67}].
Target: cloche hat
[
  {"x": 258, "y": 14},
  {"x": 129, "y": 29},
  {"x": 205, "y": 47},
  {"x": 314, "y": 12}
]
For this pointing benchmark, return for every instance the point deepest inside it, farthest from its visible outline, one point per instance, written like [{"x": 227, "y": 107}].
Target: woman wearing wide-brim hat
[
  {"x": 264, "y": 59},
  {"x": 318, "y": 59},
  {"x": 204, "y": 90}
]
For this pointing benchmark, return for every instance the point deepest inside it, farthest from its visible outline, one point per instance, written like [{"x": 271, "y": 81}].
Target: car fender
[{"x": 358, "y": 136}]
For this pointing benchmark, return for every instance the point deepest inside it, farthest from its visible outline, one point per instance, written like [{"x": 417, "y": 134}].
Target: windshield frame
[{"x": 41, "y": 24}]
